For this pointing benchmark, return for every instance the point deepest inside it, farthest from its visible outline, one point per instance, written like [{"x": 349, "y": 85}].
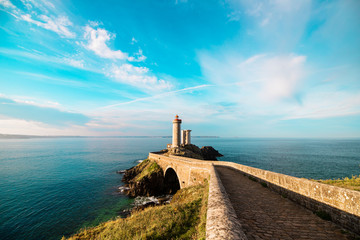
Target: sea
[{"x": 53, "y": 187}]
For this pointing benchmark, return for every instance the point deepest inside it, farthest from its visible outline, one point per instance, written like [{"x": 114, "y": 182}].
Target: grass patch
[
  {"x": 183, "y": 218},
  {"x": 352, "y": 183},
  {"x": 148, "y": 168},
  {"x": 323, "y": 215},
  {"x": 264, "y": 184}
]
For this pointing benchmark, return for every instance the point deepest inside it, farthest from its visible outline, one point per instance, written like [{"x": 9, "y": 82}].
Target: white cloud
[
  {"x": 94, "y": 23},
  {"x": 139, "y": 57},
  {"x": 74, "y": 63},
  {"x": 278, "y": 23},
  {"x": 56, "y": 24},
  {"x": 97, "y": 42},
  {"x": 138, "y": 77},
  {"x": 24, "y": 127},
  {"x": 34, "y": 101},
  {"x": 133, "y": 41},
  {"x": 318, "y": 105},
  {"x": 7, "y": 4},
  {"x": 266, "y": 77},
  {"x": 280, "y": 76}
]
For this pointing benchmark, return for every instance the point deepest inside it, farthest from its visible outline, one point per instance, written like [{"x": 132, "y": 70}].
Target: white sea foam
[
  {"x": 144, "y": 200},
  {"x": 123, "y": 188}
]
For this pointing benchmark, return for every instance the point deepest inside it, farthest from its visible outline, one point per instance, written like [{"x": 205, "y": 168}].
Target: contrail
[{"x": 157, "y": 96}]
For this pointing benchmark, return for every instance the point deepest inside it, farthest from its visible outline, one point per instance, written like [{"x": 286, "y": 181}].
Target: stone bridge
[
  {"x": 258, "y": 204},
  {"x": 187, "y": 171}
]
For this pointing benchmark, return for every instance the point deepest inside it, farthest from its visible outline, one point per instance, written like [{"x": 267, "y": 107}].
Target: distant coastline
[{"x": 19, "y": 136}]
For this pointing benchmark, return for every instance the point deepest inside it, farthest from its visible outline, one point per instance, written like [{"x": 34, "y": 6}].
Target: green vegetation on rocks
[
  {"x": 352, "y": 183},
  {"x": 150, "y": 168},
  {"x": 145, "y": 179},
  {"x": 183, "y": 218}
]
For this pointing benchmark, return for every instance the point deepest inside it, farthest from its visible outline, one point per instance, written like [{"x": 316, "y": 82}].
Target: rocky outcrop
[
  {"x": 145, "y": 179},
  {"x": 209, "y": 153},
  {"x": 193, "y": 151},
  {"x": 151, "y": 185}
]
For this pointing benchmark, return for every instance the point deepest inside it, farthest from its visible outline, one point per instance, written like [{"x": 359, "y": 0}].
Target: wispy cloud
[
  {"x": 97, "y": 40},
  {"x": 56, "y": 24},
  {"x": 138, "y": 77},
  {"x": 161, "y": 95},
  {"x": 280, "y": 24},
  {"x": 133, "y": 40},
  {"x": 29, "y": 127},
  {"x": 7, "y": 4},
  {"x": 94, "y": 38},
  {"x": 74, "y": 62},
  {"x": 327, "y": 104},
  {"x": 31, "y": 111},
  {"x": 268, "y": 77},
  {"x": 138, "y": 57},
  {"x": 42, "y": 57}
]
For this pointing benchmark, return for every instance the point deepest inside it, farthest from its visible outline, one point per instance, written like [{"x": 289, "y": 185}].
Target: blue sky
[{"x": 229, "y": 68}]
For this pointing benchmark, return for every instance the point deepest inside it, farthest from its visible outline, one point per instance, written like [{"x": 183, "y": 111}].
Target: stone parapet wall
[
  {"x": 343, "y": 205},
  {"x": 221, "y": 220}
]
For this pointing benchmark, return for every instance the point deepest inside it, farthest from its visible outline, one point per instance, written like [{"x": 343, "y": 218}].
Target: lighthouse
[{"x": 176, "y": 138}]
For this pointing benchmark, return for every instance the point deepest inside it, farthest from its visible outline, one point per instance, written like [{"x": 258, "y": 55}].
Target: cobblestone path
[{"x": 264, "y": 214}]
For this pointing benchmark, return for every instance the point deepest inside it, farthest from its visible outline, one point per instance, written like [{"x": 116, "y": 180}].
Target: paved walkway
[{"x": 264, "y": 214}]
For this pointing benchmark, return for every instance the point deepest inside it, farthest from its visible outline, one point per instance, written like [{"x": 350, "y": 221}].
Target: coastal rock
[
  {"x": 151, "y": 185},
  {"x": 145, "y": 179},
  {"x": 209, "y": 153},
  {"x": 193, "y": 151},
  {"x": 130, "y": 174}
]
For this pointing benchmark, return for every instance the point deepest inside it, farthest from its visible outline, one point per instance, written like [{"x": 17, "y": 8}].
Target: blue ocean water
[{"x": 52, "y": 187}]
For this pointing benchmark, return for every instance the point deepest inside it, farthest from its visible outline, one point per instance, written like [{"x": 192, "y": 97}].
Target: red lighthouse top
[{"x": 177, "y": 119}]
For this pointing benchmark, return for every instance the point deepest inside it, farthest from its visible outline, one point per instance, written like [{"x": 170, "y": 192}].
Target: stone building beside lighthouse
[{"x": 186, "y": 138}]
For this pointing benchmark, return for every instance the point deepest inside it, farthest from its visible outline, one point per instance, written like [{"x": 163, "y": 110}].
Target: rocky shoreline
[
  {"x": 146, "y": 182},
  {"x": 144, "y": 179}
]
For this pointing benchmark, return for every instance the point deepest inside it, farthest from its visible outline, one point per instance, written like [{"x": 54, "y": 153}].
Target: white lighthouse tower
[{"x": 176, "y": 137}]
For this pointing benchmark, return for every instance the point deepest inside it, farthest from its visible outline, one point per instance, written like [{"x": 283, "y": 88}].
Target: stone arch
[{"x": 172, "y": 182}]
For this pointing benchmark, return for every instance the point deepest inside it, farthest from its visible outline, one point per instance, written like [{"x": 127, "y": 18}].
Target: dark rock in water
[{"x": 209, "y": 153}]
